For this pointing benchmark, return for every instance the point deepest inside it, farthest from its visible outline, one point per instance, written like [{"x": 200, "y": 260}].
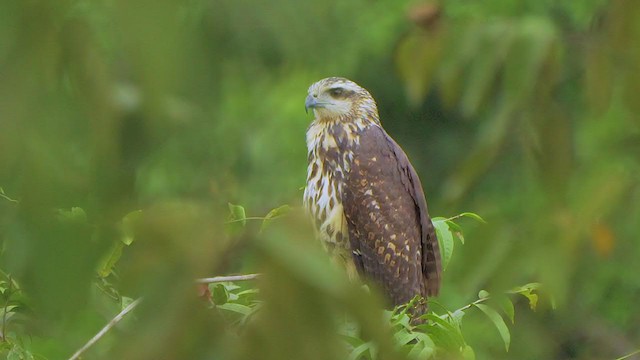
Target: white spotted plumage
[{"x": 331, "y": 139}]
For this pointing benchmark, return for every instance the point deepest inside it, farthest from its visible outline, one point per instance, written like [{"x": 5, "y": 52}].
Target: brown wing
[{"x": 390, "y": 232}]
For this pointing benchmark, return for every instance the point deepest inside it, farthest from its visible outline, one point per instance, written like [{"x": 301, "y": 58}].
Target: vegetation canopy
[{"x": 148, "y": 149}]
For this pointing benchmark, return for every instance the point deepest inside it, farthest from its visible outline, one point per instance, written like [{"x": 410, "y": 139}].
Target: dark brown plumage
[{"x": 362, "y": 187}]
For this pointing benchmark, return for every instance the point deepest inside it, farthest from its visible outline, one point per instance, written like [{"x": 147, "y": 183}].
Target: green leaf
[
  {"x": 473, "y": 216},
  {"x": 526, "y": 288},
  {"x": 445, "y": 238},
  {"x": 457, "y": 316},
  {"x": 275, "y": 213},
  {"x": 126, "y": 301},
  {"x": 498, "y": 322},
  {"x": 359, "y": 351},
  {"x": 456, "y": 230},
  {"x": 507, "y": 307},
  {"x": 248, "y": 292},
  {"x": 111, "y": 258},
  {"x": 414, "y": 351},
  {"x": 452, "y": 331},
  {"x": 441, "y": 337},
  {"x": 404, "y": 337},
  {"x": 219, "y": 294},
  {"x": 483, "y": 294},
  {"x": 424, "y": 339},
  {"x": 527, "y": 291},
  {"x": 468, "y": 353},
  {"x": 421, "y": 350},
  {"x": 533, "y": 300},
  {"x": 75, "y": 214},
  {"x": 128, "y": 224},
  {"x": 236, "y": 308},
  {"x": 237, "y": 214}
]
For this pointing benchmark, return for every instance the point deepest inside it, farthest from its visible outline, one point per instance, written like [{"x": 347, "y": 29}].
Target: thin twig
[
  {"x": 253, "y": 218},
  {"x": 629, "y": 355},
  {"x": 468, "y": 306},
  {"x": 107, "y": 327},
  {"x": 218, "y": 279},
  {"x": 2, "y": 195},
  {"x": 136, "y": 302}
]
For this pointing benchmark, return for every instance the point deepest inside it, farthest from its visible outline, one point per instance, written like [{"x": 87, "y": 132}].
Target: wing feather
[
  {"x": 390, "y": 233},
  {"x": 431, "y": 261}
]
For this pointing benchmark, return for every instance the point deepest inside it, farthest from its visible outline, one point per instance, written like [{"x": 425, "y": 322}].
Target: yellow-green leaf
[
  {"x": 237, "y": 214},
  {"x": 275, "y": 213},
  {"x": 128, "y": 226}
]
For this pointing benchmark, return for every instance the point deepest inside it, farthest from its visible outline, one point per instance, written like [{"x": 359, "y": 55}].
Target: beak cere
[{"x": 309, "y": 103}]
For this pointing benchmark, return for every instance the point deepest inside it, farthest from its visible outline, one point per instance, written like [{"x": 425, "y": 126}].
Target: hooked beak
[{"x": 310, "y": 103}]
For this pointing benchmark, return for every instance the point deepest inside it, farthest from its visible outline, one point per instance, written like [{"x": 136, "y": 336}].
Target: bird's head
[{"x": 338, "y": 98}]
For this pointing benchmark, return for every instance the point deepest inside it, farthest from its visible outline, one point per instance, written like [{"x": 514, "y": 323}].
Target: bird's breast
[{"x": 330, "y": 153}]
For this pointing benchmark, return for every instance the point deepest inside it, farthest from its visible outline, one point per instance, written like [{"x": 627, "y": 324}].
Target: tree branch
[
  {"x": 136, "y": 302},
  {"x": 107, "y": 327},
  {"x": 218, "y": 279}
]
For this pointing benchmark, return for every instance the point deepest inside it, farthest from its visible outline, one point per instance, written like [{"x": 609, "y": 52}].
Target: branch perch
[
  {"x": 106, "y": 328},
  {"x": 137, "y": 301},
  {"x": 218, "y": 279}
]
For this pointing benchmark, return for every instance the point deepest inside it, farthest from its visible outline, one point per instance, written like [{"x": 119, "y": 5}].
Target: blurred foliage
[{"x": 524, "y": 111}]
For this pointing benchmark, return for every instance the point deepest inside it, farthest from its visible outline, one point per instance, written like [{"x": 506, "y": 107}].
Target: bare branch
[
  {"x": 107, "y": 327},
  {"x": 136, "y": 302},
  {"x": 218, "y": 279}
]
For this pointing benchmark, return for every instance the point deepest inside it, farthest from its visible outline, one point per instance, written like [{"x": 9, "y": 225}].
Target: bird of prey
[{"x": 364, "y": 196}]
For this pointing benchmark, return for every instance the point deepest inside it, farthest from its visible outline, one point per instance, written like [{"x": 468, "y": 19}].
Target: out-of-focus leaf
[
  {"x": 481, "y": 155},
  {"x": 275, "y": 213},
  {"x": 457, "y": 58},
  {"x": 468, "y": 353},
  {"x": 417, "y": 57},
  {"x": 598, "y": 77},
  {"x": 220, "y": 295},
  {"x": 603, "y": 239},
  {"x": 236, "y": 308},
  {"x": 111, "y": 258},
  {"x": 495, "y": 39},
  {"x": 533, "y": 300},
  {"x": 525, "y": 59},
  {"x": 498, "y": 322},
  {"x": 404, "y": 337},
  {"x": 128, "y": 226},
  {"x": 237, "y": 214},
  {"x": 360, "y": 351},
  {"x": 75, "y": 214},
  {"x": 458, "y": 315},
  {"x": 421, "y": 352},
  {"x": 483, "y": 294}
]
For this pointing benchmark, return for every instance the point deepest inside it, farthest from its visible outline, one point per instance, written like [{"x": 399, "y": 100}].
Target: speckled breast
[{"x": 330, "y": 151}]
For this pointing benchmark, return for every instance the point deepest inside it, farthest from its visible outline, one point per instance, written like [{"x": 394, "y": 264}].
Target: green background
[{"x": 523, "y": 111}]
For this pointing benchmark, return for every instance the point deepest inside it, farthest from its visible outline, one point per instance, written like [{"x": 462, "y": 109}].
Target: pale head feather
[{"x": 338, "y": 98}]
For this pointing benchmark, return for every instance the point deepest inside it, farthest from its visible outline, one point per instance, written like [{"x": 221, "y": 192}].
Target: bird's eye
[{"x": 336, "y": 91}]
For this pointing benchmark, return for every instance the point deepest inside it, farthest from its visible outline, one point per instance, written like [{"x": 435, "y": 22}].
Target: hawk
[{"x": 364, "y": 196}]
